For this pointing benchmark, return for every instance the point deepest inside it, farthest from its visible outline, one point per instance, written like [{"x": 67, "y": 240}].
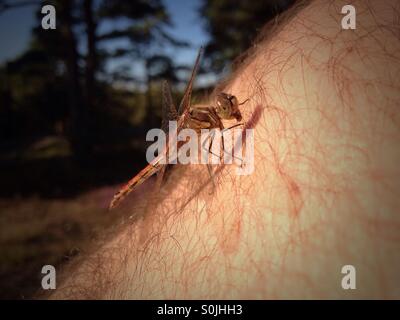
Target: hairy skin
[{"x": 324, "y": 193}]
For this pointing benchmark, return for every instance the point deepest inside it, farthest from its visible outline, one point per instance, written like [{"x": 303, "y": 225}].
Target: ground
[{"x": 51, "y": 209}]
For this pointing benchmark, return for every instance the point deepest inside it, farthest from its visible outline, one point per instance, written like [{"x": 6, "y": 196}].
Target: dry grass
[{"x": 35, "y": 232}]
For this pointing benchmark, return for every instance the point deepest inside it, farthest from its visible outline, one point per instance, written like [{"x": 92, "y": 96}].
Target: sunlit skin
[{"x": 324, "y": 193}]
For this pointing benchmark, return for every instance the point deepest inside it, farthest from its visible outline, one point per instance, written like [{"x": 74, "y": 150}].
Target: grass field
[
  {"x": 51, "y": 208},
  {"x": 36, "y": 232}
]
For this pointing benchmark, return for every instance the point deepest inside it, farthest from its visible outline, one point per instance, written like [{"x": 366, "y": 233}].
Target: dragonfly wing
[
  {"x": 185, "y": 103},
  {"x": 169, "y": 112}
]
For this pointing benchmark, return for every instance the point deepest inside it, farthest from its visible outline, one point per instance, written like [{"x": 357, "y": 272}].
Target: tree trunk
[
  {"x": 77, "y": 109},
  {"x": 91, "y": 59}
]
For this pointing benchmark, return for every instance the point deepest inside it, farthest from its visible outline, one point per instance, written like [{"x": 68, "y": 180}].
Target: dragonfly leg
[
  {"x": 223, "y": 145},
  {"x": 209, "y": 167},
  {"x": 211, "y": 138}
]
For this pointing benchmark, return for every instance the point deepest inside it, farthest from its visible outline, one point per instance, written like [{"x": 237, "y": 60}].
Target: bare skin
[{"x": 324, "y": 192}]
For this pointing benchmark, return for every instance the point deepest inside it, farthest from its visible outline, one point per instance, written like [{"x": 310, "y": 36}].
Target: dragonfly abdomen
[{"x": 136, "y": 181}]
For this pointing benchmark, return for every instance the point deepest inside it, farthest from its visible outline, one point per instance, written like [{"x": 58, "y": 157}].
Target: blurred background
[{"x": 76, "y": 103}]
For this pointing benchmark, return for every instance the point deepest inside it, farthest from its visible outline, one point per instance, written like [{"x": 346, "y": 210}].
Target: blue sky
[
  {"x": 16, "y": 25},
  {"x": 15, "y": 28}
]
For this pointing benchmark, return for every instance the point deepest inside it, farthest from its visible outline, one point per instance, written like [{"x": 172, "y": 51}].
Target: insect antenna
[{"x": 244, "y": 101}]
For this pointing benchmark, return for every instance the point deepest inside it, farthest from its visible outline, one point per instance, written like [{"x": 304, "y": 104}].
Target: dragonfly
[{"x": 195, "y": 117}]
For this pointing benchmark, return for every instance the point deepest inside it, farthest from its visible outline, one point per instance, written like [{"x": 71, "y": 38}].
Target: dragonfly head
[{"x": 227, "y": 107}]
